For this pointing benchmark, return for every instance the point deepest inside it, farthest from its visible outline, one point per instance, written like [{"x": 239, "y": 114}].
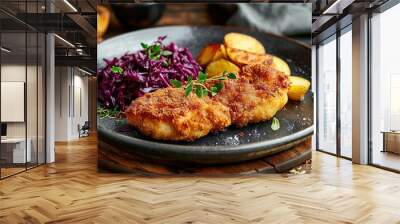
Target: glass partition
[
  {"x": 22, "y": 88},
  {"x": 14, "y": 145},
  {"x": 346, "y": 93},
  {"x": 31, "y": 97},
  {"x": 327, "y": 96},
  {"x": 385, "y": 89},
  {"x": 41, "y": 97}
]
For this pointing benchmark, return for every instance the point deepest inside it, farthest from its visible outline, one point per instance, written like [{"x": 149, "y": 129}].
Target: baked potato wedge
[
  {"x": 280, "y": 65},
  {"x": 221, "y": 53},
  {"x": 298, "y": 88},
  {"x": 220, "y": 66},
  {"x": 240, "y": 57},
  {"x": 243, "y": 42},
  {"x": 103, "y": 20},
  {"x": 207, "y": 54}
]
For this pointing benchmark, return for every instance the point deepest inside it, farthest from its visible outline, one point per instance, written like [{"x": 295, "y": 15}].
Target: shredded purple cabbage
[{"x": 142, "y": 74}]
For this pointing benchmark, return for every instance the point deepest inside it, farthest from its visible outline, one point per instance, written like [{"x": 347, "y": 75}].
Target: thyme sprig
[{"x": 108, "y": 112}]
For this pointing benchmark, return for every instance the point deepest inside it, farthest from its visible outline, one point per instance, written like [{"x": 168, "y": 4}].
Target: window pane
[
  {"x": 327, "y": 97},
  {"x": 31, "y": 97},
  {"x": 41, "y": 98},
  {"x": 14, "y": 153},
  {"x": 346, "y": 94},
  {"x": 385, "y": 83}
]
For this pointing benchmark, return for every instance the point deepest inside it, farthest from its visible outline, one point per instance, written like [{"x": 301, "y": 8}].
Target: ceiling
[
  {"x": 74, "y": 21},
  {"x": 332, "y": 15}
]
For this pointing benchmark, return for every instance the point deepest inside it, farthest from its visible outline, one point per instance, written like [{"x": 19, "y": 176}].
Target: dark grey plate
[{"x": 234, "y": 144}]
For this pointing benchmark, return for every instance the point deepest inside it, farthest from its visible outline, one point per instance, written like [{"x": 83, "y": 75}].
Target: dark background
[{"x": 277, "y": 18}]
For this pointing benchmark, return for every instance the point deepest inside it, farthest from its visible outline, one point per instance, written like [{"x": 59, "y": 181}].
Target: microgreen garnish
[
  {"x": 231, "y": 76},
  {"x": 189, "y": 86},
  {"x": 144, "y": 45},
  {"x": 275, "y": 124},
  {"x": 117, "y": 69},
  {"x": 108, "y": 113},
  {"x": 166, "y": 53},
  {"x": 176, "y": 83},
  {"x": 199, "y": 86},
  {"x": 202, "y": 77},
  {"x": 154, "y": 51}
]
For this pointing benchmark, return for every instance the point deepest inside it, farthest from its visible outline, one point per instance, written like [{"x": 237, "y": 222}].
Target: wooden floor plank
[{"x": 73, "y": 191}]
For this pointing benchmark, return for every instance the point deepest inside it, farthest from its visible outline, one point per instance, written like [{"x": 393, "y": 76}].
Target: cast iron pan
[{"x": 234, "y": 144}]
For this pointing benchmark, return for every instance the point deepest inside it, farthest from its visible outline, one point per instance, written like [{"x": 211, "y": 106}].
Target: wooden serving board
[{"x": 113, "y": 160}]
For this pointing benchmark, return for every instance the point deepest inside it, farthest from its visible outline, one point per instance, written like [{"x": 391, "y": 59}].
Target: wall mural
[{"x": 207, "y": 99}]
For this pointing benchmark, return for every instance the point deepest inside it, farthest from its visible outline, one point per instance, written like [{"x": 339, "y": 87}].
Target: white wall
[
  {"x": 12, "y": 73},
  {"x": 70, "y": 83},
  {"x": 61, "y": 104},
  {"x": 33, "y": 127},
  {"x": 81, "y": 102}
]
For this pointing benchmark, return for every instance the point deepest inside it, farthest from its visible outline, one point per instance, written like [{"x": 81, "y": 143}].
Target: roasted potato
[
  {"x": 240, "y": 57},
  {"x": 243, "y": 42},
  {"x": 221, "y": 53},
  {"x": 207, "y": 54},
  {"x": 216, "y": 68},
  {"x": 298, "y": 88},
  {"x": 280, "y": 65},
  {"x": 103, "y": 19}
]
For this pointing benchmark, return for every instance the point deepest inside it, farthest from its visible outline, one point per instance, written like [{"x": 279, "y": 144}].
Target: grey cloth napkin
[{"x": 280, "y": 18}]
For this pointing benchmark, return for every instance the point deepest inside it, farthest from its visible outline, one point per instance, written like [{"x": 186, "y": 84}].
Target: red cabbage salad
[{"x": 132, "y": 75}]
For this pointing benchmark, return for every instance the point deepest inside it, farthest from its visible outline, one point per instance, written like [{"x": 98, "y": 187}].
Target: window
[
  {"x": 346, "y": 93},
  {"x": 22, "y": 78},
  {"x": 385, "y": 89},
  {"x": 327, "y": 96}
]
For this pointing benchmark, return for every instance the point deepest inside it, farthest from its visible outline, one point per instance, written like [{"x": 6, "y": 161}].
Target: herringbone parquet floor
[{"x": 72, "y": 191}]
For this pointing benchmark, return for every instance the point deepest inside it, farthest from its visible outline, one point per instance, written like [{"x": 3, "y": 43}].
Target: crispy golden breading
[
  {"x": 258, "y": 95},
  {"x": 167, "y": 114}
]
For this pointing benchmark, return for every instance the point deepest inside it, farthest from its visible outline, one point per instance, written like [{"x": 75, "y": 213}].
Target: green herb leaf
[
  {"x": 218, "y": 86},
  {"x": 188, "y": 88},
  {"x": 175, "y": 83},
  {"x": 199, "y": 91},
  {"x": 275, "y": 124},
  {"x": 155, "y": 57},
  {"x": 117, "y": 69},
  {"x": 166, "y": 53},
  {"x": 144, "y": 45},
  {"x": 214, "y": 91},
  {"x": 205, "y": 92},
  {"x": 156, "y": 49},
  {"x": 108, "y": 112},
  {"x": 231, "y": 75},
  {"x": 202, "y": 77}
]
